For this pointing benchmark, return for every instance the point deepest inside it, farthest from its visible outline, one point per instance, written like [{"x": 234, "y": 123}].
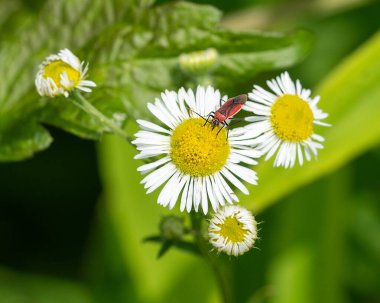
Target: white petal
[
  {"x": 254, "y": 118},
  {"x": 182, "y": 105},
  {"x": 230, "y": 177},
  {"x": 184, "y": 195},
  {"x": 280, "y": 155},
  {"x": 162, "y": 116},
  {"x": 170, "y": 100},
  {"x": 159, "y": 176},
  {"x": 150, "y": 166},
  {"x": 274, "y": 87},
  {"x": 144, "y": 155},
  {"x": 152, "y": 136},
  {"x": 200, "y": 100},
  {"x": 87, "y": 83},
  {"x": 293, "y": 154},
  {"x": 204, "y": 196},
  {"x": 273, "y": 149},
  {"x": 253, "y": 153},
  {"x": 189, "y": 202},
  {"x": 211, "y": 194},
  {"x": 190, "y": 99},
  {"x": 149, "y": 126},
  {"x": 236, "y": 158},
  {"x": 177, "y": 190},
  {"x": 300, "y": 156},
  {"x": 307, "y": 153},
  {"x": 321, "y": 123},
  {"x": 224, "y": 188},
  {"x": 318, "y": 137},
  {"x": 175, "y": 120},
  {"x": 169, "y": 189},
  {"x": 217, "y": 191},
  {"x": 242, "y": 172},
  {"x": 212, "y": 99}
]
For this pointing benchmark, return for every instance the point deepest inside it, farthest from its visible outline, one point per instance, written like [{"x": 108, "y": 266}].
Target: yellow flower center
[
  {"x": 292, "y": 118},
  {"x": 54, "y": 70},
  {"x": 196, "y": 150},
  {"x": 232, "y": 230}
]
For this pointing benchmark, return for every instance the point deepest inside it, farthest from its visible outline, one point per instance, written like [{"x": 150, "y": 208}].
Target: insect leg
[
  {"x": 225, "y": 124},
  {"x": 228, "y": 129},
  {"x": 208, "y": 117}
]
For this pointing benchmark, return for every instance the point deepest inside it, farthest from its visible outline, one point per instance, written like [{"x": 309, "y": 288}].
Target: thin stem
[
  {"x": 82, "y": 103},
  {"x": 220, "y": 270},
  {"x": 204, "y": 79}
]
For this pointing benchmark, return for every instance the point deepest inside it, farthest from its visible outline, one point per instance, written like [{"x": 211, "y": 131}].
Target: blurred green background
[{"x": 72, "y": 218}]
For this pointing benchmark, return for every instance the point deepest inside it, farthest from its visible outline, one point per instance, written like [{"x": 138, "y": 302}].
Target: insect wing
[{"x": 232, "y": 106}]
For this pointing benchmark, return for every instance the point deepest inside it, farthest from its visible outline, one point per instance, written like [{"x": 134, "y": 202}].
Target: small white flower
[
  {"x": 232, "y": 230},
  {"x": 61, "y": 73},
  {"x": 285, "y": 121},
  {"x": 196, "y": 164}
]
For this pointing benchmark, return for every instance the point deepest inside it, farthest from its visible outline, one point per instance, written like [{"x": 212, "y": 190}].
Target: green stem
[
  {"x": 82, "y": 103},
  {"x": 204, "y": 80},
  {"x": 220, "y": 270}
]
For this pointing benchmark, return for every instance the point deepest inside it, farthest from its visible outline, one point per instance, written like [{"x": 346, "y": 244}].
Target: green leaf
[
  {"x": 188, "y": 247},
  {"x": 351, "y": 96},
  {"x": 156, "y": 239},
  {"x": 251, "y": 53},
  {"x": 166, "y": 245},
  {"x": 143, "y": 61},
  {"x": 133, "y": 50},
  {"x": 23, "y": 139},
  {"x": 20, "y": 106},
  {"x": 23, "y": 288}
]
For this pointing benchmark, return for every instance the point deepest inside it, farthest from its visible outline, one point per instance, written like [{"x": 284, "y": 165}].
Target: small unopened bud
[
  {"x": 199, "y": 62},
  {"x": 172, "y": 228}
]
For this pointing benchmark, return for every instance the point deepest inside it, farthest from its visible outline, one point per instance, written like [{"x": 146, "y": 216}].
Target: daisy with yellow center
[
  {"x": 196, "y": 165},
  {"x": 285, "y": 121},
  {"x": 61, "y": 73},
  {"x": 232, "y": 230}
]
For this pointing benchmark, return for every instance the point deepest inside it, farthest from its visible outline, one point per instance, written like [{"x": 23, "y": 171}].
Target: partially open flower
[
  {"x": 198, "y": 62},
  {"x": 233, "y": 230},
  {"x": 61, "y": 73},
  {"x": 285, "y": 120}
]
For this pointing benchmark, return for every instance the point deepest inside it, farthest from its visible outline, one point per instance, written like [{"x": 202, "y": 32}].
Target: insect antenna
[{"x": 206, "y": 119}]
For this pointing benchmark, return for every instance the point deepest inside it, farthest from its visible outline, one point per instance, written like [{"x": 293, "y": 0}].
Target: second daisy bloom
[
  {"x": 284, "y": 121},
  {"x": 61, "y": 73},
  {"x": 194, "y": 165}
]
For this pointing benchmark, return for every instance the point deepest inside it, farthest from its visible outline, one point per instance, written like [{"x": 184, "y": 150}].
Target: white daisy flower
[
  {"x": 61, "y": 73},
  {"x": 197, "y": 165},
  {"x": 232, "y": 230},
  {"x": 285, "y": 121}
]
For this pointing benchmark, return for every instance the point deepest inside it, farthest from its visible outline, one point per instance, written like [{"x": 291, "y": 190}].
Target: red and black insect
[{"x": 230, "y": 108}]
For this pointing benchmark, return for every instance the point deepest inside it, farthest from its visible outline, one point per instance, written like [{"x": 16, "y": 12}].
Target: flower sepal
[{"x": 173, "y": 232}]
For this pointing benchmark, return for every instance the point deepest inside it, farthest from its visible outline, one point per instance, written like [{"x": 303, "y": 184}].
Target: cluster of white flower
[{"x": 197, "y": 165}]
